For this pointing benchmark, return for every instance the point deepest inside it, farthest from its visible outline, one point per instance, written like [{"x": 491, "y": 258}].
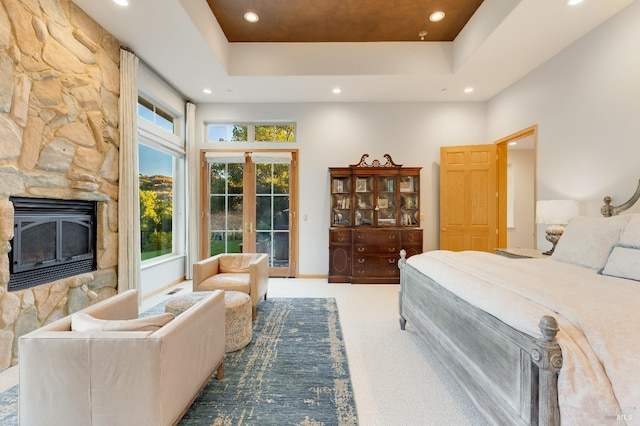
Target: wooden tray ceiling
[{"x": 341, "y": 20}]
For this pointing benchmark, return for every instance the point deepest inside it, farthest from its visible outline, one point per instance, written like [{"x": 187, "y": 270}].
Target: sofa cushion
[
  {"x": 227, "y": 282},
  {"x": 587, "y": 241},
  {"x": 623, "y": 262},
  {"x": 235, "y": 263},
  {"x": 81, "y": 321}
]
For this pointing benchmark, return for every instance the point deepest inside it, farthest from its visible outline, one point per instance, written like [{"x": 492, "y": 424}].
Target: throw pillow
[
  {"x": 587, "y": 241},
  {"x": 631, "y": 233},
  {"x": 623, "y": 262},
  {"x": 81, "y": 321}
]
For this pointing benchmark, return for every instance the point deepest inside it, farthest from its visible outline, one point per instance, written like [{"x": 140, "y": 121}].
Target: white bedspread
[{"x": 599, "y": 319}]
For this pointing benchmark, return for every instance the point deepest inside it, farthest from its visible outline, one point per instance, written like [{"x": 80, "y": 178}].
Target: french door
[{"x": 249, "y": 206}]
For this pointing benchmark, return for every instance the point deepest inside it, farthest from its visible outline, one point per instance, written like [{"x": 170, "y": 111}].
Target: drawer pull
[
  {"x": 392, "y": 249},
  {"x": 340, "y": 239},
  {"x": 392, "y": 236},
  {"x": 391, "y": 272},
  {"x": 360, "y": 249},
  {"x": 391, "y": 260},
  {"x": 360, "y": 260}
]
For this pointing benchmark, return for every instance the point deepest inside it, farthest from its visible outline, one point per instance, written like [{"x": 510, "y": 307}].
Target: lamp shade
[{"x": 556, "y": 212}]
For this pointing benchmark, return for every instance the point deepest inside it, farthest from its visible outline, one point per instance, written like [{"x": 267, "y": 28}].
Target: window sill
[{"x": 150, "y": 263}]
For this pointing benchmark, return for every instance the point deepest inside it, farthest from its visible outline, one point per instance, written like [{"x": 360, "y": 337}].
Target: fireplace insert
[{"x": 53, "y": 239}]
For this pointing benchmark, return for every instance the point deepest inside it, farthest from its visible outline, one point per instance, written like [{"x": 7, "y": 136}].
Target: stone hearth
[{"x": 59, "y": 138}]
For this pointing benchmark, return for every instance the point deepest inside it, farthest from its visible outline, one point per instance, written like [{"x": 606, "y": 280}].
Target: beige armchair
[
  {"x": 120, "y": 377},
  {"x": 245, "y": 272}
]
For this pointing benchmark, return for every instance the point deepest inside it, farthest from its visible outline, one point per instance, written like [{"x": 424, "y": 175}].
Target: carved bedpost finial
[
  {"x": 403, "y": 258},
  {"x": 607, "y": 209},
  {"x": 548, "y": 327}
]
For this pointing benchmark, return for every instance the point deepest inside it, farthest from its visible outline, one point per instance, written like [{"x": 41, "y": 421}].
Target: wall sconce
[{"x": 556, "y": 213}]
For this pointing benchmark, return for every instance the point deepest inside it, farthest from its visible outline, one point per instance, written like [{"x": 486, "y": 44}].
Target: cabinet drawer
[
  {"x": 341, "y": 236},
  {"x": 376, "y": 271},
  {"x": 412, "y": 237},
  {"x": 358, "y": 249},
  {"x": 380, "y": 260},
  {"x": 387, "y": 238}
]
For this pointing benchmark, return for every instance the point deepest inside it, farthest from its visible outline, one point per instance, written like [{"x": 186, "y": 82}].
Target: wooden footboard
[{"x": 510, "y": 376}]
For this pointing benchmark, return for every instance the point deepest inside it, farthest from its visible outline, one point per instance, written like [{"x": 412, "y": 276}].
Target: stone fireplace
[
  {"x": 59, "y": 140},
  {"x": 52, "y": 239}
]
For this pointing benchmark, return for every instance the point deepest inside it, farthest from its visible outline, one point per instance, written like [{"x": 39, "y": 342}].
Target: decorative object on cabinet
[{"x": 375, "y": 212}]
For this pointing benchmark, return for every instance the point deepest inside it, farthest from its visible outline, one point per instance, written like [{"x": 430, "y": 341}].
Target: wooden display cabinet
[{"x": 375, "y": 212}]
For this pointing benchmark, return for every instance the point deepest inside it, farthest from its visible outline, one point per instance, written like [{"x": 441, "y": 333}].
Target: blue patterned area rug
[{"x": 294, "y": 372}]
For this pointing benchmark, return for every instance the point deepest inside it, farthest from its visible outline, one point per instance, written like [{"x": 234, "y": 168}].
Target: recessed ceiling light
[
  {"x": 574, "y": 2},
  {"x": 251, "y": 17},
  {"x": 468, "y": 89},
  {"x": 436, "y": 16},
  {"x": 207, "y": 91},
  {"x": 121, "y": 2},
  {"x": 422, "y": 34},
  {"x": 337, "y": 90}
]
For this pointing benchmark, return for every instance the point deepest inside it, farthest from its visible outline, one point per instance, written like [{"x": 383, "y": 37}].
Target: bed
[{"x": 537, "y": 341}]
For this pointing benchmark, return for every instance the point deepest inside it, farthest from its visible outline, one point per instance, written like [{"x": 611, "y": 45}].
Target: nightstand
[{"x": 520, "y": 253}]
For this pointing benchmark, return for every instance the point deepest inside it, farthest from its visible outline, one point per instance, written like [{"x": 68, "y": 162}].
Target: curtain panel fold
[
  {"x": 192, "y": 192},
  {"x": 128, "y": 201}
]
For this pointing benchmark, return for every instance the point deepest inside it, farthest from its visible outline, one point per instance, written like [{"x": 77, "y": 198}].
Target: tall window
[
  {"x": 160, "y": 165},
  {"x": 157, "y": 173}
]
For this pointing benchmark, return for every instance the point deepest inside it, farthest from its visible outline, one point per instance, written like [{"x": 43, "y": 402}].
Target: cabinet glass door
[
  {"x": 364, "y": 202},
  {"x": 386, "y": 202},
  {"x": 409, "y": 199},
  {"x": 341, "y": 201}
]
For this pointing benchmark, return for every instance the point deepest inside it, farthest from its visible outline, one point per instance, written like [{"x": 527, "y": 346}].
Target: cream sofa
[
  {"x": 244, "y": 272},
  {"x": 120, "y": 377}
]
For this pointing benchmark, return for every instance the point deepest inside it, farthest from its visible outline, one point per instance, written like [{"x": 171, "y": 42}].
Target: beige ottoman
[
  {"x": 178, "y": 304},
  {"x": 238, "y": 327},
  {"x": 237, "y": 308}
]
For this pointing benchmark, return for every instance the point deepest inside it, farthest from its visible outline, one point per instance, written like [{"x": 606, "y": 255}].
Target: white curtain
[
  {"x": 192, "y": 190},
  {"x": 128, "y": 202}
]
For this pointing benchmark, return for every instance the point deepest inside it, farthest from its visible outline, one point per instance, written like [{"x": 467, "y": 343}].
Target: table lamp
[{"x": 555, "y": 213}]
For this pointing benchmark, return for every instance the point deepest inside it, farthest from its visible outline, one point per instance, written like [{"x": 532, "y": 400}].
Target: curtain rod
[{"x": 157, "y": 74}]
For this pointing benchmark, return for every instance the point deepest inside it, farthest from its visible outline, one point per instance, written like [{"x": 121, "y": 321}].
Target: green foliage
[
  {"x": 156, "y": 216},
  {"x": 270, "y": 133}
]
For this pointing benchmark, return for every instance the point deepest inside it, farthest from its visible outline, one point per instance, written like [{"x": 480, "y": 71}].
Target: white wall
[
  {"x": 521, "y": 234},
  {"x": 586, "y": 102},
  {"x": 337, "y": 134}
]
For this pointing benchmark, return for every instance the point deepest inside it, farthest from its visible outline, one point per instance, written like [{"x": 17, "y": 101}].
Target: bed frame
[{"x": 511, "y": 377}]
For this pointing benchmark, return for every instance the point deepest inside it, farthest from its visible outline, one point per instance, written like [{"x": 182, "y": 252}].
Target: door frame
[
  {"x": 293, "y": 204},
  {"x": 502, "y": 149}
]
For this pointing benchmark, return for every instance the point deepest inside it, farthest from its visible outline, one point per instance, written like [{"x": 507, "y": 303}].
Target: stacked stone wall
[{"x": 59, "y": 138}]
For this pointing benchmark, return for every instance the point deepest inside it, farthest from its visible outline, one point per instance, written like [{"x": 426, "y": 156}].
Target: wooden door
[{"x": 468, "y": 198}]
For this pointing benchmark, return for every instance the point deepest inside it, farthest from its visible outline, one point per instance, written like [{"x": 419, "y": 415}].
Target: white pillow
[
  {"x": 81, "y": 321},
  {"x": 587, "y": 241},
  {"x": 631, "y": 233},
  {"x": 623, "y": 262}
]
